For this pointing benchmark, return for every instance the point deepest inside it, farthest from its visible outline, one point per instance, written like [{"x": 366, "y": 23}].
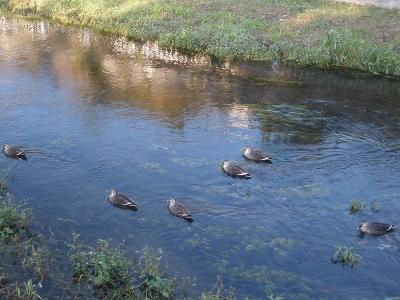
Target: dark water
[{"x": 107, "y": 113}]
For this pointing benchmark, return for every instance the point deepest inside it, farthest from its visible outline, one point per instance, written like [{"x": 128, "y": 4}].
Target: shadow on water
[{"x": 157, "y": 124}]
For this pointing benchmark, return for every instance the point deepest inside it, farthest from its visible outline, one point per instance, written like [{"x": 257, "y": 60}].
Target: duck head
[
  {"x": 363, "y": 226},
  {"x": 113, "y": 193},
  {"x": 171, "y": 202},
  {"x": 225, "y": 163},
  {"x": 6, "y": 147},
  {"x": 246, "y": 149}
]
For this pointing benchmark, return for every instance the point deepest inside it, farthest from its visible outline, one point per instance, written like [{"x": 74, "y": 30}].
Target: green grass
[
  {"x": 28, "y": 249},
  {"x": 15, "y": 220},
  {"x": 319, "y": 33},
  {"x": 18, "y": 239},
  {"x": 115, "y": 276},
  {"x": 19, "y": 291}
]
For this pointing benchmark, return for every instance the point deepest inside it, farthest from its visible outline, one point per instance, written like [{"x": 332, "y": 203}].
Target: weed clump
[
  {"x": 14, "y": 219},
  {"x": 114, "y": 276},
  {"x": 218, "y": 292},
  {"x": 356, "y": 206},
  {"x": 345, "y": 256},
  {"x": 18, "y": 291},
  {"x": 27, "y": 248}
]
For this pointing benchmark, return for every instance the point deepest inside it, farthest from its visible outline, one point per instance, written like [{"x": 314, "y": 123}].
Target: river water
[{"x": 106, "y": 113}]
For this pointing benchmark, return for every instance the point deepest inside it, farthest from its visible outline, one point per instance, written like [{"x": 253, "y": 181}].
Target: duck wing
[
  {"x": 377, "y": 228},
  {"x": 15, "y": 152},
  {"x": 20, "y": 155},
  {"x": 124, "y": 202}
]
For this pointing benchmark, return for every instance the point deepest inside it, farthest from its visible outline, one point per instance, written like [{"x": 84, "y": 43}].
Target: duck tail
[
  {"x": 189, "y": 219},
  {"x": 21, "y": 155},
  {"x": 132, "y": 207},
  {"x": 267, "y": 159}
]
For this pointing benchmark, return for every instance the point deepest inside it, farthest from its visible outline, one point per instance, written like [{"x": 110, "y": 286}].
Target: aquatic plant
[
  {"x": 218, "y": 292},
  {"x": 26, "y": 291},
  {"x": 18, "y": 291},
  {"x": 345, "y": 256},
  {"x": 273, "y": 280},
  {"x": 114, "y": 276},
  {"x": 375, "y": 207},
  {"x": 154, "y": 282},
  {"x": 356, "y": 206},
  {"x": 15, "y": 231},
  {"x": 106, "y": 268},
  {"x": 14, "y": 219},
  {"x": 36, "y": 257}
]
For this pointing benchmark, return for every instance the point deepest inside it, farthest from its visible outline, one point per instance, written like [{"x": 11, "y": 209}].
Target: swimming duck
[
  {"x": 14, "y": 152},
  {"x": 234, "y": 170},
  {"x": 255, "y": 155},
  {"x": 375, "y": 228},
  {"x": 179, "y": 210},
  {"x": 121, "y": 201}
]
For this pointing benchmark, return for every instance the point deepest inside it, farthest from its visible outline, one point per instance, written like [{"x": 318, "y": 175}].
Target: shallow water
[{"x": 107, "y": 113}]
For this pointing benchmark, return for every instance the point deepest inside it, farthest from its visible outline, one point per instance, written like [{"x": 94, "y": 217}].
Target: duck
[
  {"x": 234, "y": 170},
  {"x": 375, "y": 228},
  {"x": 255, "y": 155},
  {"x": 14, "y": 152},
  {"x": 179, "y": 210},
  {"x": 120, "y": 200}
]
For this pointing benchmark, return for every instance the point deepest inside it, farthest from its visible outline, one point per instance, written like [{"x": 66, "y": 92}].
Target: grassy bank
[{"x": 319, "y": 33}]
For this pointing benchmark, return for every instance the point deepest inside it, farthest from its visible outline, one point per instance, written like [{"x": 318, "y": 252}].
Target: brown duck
[
  {"x": 375, "y": 228},
  {"x": 14, "y": 152},
  {"x": 121, "y": 201},
  {"x": 255, "y": 155},
  {"x": 179, "y": 210},
  {"x": 234, "y": 170}
]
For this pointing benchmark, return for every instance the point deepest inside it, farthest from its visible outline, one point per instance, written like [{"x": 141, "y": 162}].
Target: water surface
[{"x": 108, "y": 113}]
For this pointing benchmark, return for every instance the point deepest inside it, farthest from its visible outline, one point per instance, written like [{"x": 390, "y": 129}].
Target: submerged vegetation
[
  {"x": 345, "y": 256},
  {"x": 317, "y": 33},
  {"x": 356, "y": 206}
]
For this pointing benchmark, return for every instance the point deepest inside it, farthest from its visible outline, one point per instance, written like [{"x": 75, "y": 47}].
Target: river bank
[
  {"x": 323, "y": 34},
  {"x": 33, "y": 268}
]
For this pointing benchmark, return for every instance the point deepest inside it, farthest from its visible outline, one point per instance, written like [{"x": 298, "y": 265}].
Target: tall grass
[{"x": 317, "y": 33}]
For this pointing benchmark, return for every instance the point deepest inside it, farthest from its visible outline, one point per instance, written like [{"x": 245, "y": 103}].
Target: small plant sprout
[
  {"x": 356, "y": 206},
  {"x": 345, "y": 256}
]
